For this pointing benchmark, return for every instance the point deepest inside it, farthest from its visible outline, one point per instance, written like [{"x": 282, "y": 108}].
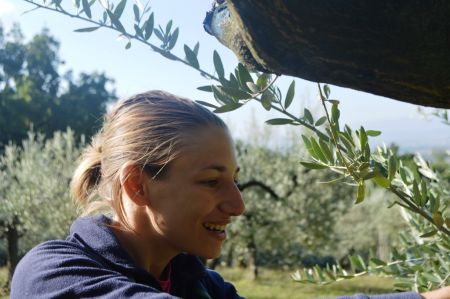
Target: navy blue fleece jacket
[{"x": 90, "y": 263}]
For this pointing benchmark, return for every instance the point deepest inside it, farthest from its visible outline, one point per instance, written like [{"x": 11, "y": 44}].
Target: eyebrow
[{"x": 219, "y": 168}]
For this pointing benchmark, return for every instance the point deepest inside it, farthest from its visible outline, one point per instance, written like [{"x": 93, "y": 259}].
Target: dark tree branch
[
  {"x": 268, "y": 189},
  {"x": 255, "y": 183},
  {"x": 396, "y": 49}
]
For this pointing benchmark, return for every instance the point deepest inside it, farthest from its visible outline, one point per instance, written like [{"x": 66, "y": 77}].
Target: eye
[{"x": 210, "y": 183}]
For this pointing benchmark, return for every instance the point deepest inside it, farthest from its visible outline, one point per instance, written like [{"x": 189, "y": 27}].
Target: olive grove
[
  {"x": 422, "y": 260},
  {"x": 34, "y": 200}
]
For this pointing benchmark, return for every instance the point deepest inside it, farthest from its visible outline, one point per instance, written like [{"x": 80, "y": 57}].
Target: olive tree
[
  {"x": 289, "y": 214},
  {"x": 35, "y": 203}
]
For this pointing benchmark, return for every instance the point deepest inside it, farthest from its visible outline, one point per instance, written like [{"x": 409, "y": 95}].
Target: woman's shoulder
[
  {"x": 64, "y": 269},
  {"x": 48, "y": 265},
  {"x": 59, "y": 255},
  {"x": 53, "y": 253},
  {"x": 89, "y": 263}
]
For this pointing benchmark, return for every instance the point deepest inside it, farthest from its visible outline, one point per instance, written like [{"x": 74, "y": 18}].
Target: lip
[
  {"x": 218, "y": 235},
  {"x": 221, "y": 236}
]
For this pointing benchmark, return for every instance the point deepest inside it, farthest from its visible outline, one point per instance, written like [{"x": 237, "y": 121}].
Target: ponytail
[{"x": 88, "y": 174}]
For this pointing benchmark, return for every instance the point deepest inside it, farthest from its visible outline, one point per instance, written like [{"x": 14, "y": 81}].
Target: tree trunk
[
  {"x": 253, "y": 258},
  {"x": 229, "y": 259},
  {"x": 12, "y": 241},
  {"x": 397, "y": 49}
]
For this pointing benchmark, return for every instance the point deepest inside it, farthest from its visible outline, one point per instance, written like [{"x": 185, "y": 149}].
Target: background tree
[
  {"x": 35, "y": 203},
  {"x": 290, "y": 218},
  {"x": 35, "y": 172},
  {"x": 369, "y": 230},
  {"x": 33, "y": 94}
]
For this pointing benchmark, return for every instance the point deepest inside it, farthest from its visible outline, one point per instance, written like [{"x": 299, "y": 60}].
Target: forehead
[{"x": 211, "y": 146}]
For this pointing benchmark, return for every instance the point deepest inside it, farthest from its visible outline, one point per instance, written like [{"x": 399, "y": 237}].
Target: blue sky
[{"x": 139, "y": 69}]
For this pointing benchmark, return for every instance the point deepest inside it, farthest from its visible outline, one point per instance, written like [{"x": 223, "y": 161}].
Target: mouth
[{"x": 220, "y": 228}]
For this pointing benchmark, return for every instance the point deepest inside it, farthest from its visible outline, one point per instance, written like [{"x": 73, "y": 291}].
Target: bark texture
[
  {"x": 12, "y": 240},
  {"x": 397, "y": 49}
]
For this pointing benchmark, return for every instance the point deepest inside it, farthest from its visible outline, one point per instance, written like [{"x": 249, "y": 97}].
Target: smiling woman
[{"x": 165, "y": 167}]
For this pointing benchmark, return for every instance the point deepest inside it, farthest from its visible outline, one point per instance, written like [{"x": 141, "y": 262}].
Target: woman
[{"x": 167, "y": 170}]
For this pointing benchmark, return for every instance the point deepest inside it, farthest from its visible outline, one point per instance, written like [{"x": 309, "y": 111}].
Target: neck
[{"x": 146, "y": 251}]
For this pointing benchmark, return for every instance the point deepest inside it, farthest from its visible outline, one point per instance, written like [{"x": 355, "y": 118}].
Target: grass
[
  {"x": 277, "y": 284},
  {"x": 3, "y": 278}
]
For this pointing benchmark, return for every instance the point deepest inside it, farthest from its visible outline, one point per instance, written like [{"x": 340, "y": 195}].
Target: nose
[{"x": 233, "y": 204}]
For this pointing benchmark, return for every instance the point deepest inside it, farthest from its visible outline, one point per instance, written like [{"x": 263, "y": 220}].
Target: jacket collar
[{"x": 95, "y": 233}]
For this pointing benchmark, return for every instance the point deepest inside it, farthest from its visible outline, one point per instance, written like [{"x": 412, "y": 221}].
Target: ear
[{"x": 132, "y": 180}]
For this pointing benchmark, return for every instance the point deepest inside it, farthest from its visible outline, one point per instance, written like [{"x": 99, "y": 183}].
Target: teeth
[{"x": 215, "y": 227}]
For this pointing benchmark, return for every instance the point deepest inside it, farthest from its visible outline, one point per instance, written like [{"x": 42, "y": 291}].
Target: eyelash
[{"x": 213, "y": 183}]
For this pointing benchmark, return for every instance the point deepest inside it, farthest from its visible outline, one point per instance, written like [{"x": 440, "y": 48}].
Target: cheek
[
  {"x": 180, "y": 210},
  {"x": 172, "y": 218}
]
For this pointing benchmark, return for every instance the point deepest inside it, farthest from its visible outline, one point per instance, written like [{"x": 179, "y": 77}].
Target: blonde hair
[{"x": 147, "y": 130}]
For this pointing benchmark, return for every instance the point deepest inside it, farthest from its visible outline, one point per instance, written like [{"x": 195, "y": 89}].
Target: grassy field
[
  {"x": 3, "y": 277},
  {"x": 276, "y": 284}
]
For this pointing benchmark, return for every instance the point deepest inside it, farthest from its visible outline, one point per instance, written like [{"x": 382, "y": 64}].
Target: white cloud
[{"x": 6, "y": 7}]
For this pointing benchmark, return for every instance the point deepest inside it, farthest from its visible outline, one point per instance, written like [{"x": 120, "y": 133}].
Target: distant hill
[{"x": 412, "y": 135}]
